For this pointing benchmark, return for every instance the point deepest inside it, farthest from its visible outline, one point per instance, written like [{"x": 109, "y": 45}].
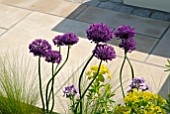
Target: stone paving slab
[
  {"x": 161, "y": 53},
  {"x": 2, "y": 31},
  {"x": 56, "y": 7},
  {"x": 142, "y": 12},
  {"x": 145, "y": 26},
  {"x": 92, "y": 2},
  {"x": 110, "y": 5},
  {"x": 10, "y": 15},
  {"x": 79, "y": 28}
]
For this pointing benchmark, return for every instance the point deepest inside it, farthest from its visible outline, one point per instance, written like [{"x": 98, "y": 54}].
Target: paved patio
[{"x": 22, "y": 21}]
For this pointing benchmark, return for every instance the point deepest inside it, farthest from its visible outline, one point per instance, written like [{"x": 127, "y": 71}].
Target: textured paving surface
[
  {"x": 22, "y": 21},
  {"x": 117, "y": 5}
]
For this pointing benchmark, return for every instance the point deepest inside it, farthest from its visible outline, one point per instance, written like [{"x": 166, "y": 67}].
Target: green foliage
[
  {"x": 16, "y": 96},
  {"x": 167, "y": 108},
  {"x": 142, "y": 103},
  {"x": 99, "y": 96},
  {"x": 168, "y": 65}
]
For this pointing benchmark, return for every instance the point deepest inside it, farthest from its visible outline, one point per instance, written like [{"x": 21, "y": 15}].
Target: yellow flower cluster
[
  {"x": 142, "y": 103},
  {"x": 103, "y": 71}
]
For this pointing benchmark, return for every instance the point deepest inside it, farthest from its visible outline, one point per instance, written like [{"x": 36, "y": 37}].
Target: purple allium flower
[
  {"x": 128, "y": 45},
  {"x": 70, "y": 91},
  {"x": 104, "y": 52},
  {"x": 99, "y": 33},
  {"x": 58, "y": 40},
  {"x": 39, "y": 47},
  {"x": 53, "y": 56},
  {"x": 124, "y": 32},
  {"x": 139, "y": 84},
  {"x": 66, "y": 39}
]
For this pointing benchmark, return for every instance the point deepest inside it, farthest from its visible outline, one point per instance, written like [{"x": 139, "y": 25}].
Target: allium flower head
[
  {"x": 139, "y": 84},
  {"x": 58, "y": 40},
  {"x": 128, "y": 45},
  {"x": 66, "y": 39},
  {"x": 99, "y": 33},
  {"x": 124, "y": 32},
  {"x": 39, "y": 47},
  {"x": 70, "y": 91},
  {"x": 53, "y": 56},
  {"x": 104, "y": 52}
]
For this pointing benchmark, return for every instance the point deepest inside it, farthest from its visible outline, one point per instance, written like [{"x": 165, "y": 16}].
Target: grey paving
[
  {"x": 161, "y": 15},
  {"x": 119, "y": 1},
  {"x": 145, "y": 26},
  {"x": 126, "y": 9},
  {"x": 118, "y": 5},
  {"x": 110, "y": 6},
  {"x": 91, "y": 2},
  {"x": 142, "y": 12}
]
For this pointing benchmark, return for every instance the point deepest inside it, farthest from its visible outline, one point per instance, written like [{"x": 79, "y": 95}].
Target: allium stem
[
  {"x": 55, "y": 73},
  {"x": 81, "y": 97},
  {"x": 58, "y": 64},
  {"x": 80, "y": 79},
  {"x": 92, "y": 80},
  {"x": 52, "y": 90},
  {"x": 40, "y": 84},
  {"x": 120, "y": 75},
  {"x": 131, "y": 67}
]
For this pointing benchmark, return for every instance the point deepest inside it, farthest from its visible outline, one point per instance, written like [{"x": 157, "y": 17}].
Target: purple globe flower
[
  {"x": 58, "y": 40},
  {"x": 70, "y": 39},
  {"x": 99, "y": 33},
  {"x": 66, "y": 39},
  {"x": 39, "y": 47},
  {"x": 53, "y": 56},
  {"x": 139, "y": 84},
  {"x": 104, "y": 52},
  {"x": 128, "y": 45},
  {"x": 70, "y": 91},
  {"x": 124, "y": 32}
]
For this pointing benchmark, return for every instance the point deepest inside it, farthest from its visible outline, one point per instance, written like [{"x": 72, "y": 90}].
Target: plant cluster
[
  {"x": 98, "y": 93},
  {"x": 145, "y": 102}
]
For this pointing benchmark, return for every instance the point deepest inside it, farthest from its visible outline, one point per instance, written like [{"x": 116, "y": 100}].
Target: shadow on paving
[{"x": 68, "y": 25}]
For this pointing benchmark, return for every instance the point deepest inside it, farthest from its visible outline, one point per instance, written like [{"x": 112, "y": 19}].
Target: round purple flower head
[
  {"x": 70, "y": 91},
  {"x": 99, "y": 33},
  {"x": 53, "y": 56},
  {"x": 104, "y": 52},
  {"x": 139, "y": 84},
  {"x": 70, "y": 38},
  {"x": 124, "y": 32},
  {"x": 66, "y": 39},
  {"x": 128, "y": 45},
  {"x": 58, "y": 40},
  {"x": 39, "y": 47}
]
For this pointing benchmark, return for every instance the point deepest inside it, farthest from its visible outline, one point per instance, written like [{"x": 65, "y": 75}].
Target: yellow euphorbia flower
[{"x": 103, "y": 71}]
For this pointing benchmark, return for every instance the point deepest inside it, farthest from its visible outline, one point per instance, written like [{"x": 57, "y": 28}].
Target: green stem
[
  {"x": 92, "y": 80},
  {"x": 80, "y": 79},
  {"x": 58, "y": 64},
  {"x": 52, "y": 90},
  {"x": 81, "y": 97},
  {"x": 40, "y": 84},
  {"x": 56, "y": 72},
  {"x": 131, "y": 67},
  {"x": 120, "y": 78}
]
